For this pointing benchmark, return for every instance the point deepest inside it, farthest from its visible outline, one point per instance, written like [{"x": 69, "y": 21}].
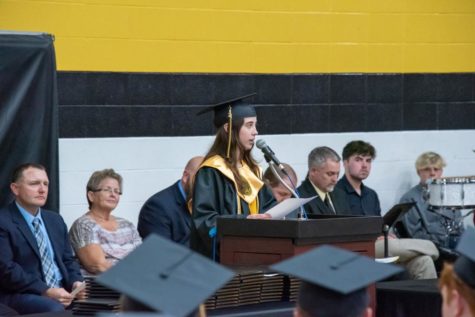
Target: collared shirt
[
  {"x": 366, "y": 204},
  {"x": 182, "y": 190},
  {"x": 29, "y": 220},
  {"x": 322, "y": 194}
]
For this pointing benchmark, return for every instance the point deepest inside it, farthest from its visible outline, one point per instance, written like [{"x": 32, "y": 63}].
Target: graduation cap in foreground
[
  {"x": 465, "y": 264},
  {"x": 133, "y": 314},
  {"x": 165, "y": 276},
  {"x": 335, "y": 278},
  {"x": 228, "y": 110}
]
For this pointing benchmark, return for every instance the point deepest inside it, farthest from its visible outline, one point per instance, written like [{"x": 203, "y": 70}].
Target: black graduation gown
[{"x": 214, "y": 195}]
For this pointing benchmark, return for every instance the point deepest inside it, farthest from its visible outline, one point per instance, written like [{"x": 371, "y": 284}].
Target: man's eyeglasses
[{"x": 108, "y": 190}]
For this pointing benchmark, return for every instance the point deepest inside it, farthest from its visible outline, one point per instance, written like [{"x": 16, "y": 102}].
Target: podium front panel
[{"x": 264, "y": 242}]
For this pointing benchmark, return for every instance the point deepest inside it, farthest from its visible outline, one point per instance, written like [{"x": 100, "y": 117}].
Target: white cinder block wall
[{"x": 149, "y": 165}]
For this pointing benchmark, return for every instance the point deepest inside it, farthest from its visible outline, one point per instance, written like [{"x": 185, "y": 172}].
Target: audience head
[
  {"x": 279, "y": 191},
  {"x": 429, "y": 165},
  {"x": 189, "y": 173},
  {"x": 315, "y": 301},
  {"x": 175, "y": 284},
  {"x": 29, "y": 185},
  {"x": 334, "y": 281},
  {"x": 457, "y": 281},
  {"x": 324, "y": 168},
  {"x": 103, "y": 189},
  {"x": 357, "y": 158}
]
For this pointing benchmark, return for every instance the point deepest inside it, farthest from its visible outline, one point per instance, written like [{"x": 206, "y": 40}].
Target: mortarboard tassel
[{"x": 230, "y": 126}]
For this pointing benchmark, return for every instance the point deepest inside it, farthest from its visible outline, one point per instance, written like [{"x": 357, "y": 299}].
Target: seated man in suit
[
  {"x": 37, "y": 267},
  {"x": 166, "y": 212},
  {"x": 416, "y": 255},
  {"x": 323, "y": 172}
]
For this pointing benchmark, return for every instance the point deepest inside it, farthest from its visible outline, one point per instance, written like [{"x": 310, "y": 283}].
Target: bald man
[{"x": 166, "y": 212}]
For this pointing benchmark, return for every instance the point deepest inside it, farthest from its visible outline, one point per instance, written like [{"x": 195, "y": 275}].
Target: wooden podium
[
  {"x": 264, "y": 242},
  {"x": 253, "y": 242}
]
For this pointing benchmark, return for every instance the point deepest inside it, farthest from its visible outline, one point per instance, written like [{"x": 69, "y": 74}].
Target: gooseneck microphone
[{"x": 269, "y": 155}]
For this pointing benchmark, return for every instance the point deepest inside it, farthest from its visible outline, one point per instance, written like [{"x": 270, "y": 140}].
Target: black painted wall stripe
[{"x": 146, "y": 104}]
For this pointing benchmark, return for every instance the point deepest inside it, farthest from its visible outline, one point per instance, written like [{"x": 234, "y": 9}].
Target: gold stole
[{"x": 250, "y": 192}]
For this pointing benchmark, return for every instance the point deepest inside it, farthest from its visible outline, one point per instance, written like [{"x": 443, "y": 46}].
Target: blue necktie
[{"x": 46, "y": 260}]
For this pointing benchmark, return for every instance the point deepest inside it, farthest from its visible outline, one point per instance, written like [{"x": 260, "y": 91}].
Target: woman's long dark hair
[{"x": 220, "y": 145}]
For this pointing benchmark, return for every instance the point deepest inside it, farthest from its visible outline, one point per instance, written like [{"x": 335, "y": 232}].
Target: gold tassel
[{"x": 230, "y": 128}]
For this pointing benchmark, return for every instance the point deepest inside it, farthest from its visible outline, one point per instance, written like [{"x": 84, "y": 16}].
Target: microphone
[{"x": 268, "y": 153}]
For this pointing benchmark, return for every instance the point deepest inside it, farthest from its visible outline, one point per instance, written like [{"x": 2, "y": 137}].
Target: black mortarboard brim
[
  {"x": 239, "y": 109},
  {"x": 166, "y": 276},
  {"x": 464, "y": 266},
  {"x": 133, "y": 314},
  {"x": 336, "y": 269}
]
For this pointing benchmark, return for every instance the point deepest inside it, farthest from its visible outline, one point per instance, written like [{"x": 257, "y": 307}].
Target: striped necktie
[{"x": 46, "y": 260}]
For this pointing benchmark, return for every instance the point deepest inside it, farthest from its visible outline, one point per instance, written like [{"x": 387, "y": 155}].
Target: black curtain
[{"x": 28, "y": 109}]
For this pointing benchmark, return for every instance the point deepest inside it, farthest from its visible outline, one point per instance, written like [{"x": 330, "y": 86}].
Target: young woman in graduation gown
[{"x": 229, "y": 181}]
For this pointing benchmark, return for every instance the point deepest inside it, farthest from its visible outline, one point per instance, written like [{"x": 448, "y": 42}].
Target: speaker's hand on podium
[{"x": 260, "y": 216}]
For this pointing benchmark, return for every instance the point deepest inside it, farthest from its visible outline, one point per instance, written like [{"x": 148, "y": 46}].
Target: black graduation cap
[
  {"x": 334, "y": 278},
  {"x": 239, "y": 109},
  {"x": 166, "y": 277},
  {"x": 465, "y": 264},
  {"x": 133, "y": 314},
  {"x": 336, "y": 269}
]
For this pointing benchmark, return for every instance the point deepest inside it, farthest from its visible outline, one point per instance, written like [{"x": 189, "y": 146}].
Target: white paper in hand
[
  {"x": 78, "y": 289},
  {"x": 285, "y": 207}
]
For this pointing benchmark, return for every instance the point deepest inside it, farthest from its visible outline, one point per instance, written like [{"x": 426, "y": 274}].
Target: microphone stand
[
  {"x": 386, "y": 247},
  {"x": 424, "y": 221}
]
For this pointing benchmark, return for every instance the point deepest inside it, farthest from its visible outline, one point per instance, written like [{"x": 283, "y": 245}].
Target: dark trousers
[
  {"x": 6, "y": 311},
  {"x": 31, "y": 303}
]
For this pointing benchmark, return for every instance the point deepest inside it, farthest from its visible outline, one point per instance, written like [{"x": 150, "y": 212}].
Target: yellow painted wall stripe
[{"x": 248, "y": 36}]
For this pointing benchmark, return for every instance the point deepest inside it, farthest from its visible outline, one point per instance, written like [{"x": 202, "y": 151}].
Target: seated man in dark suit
[
  {"x": 37, "y": 267},
  {"x": 166, "y": 212},
  {"x": 323, "y": 172}
]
